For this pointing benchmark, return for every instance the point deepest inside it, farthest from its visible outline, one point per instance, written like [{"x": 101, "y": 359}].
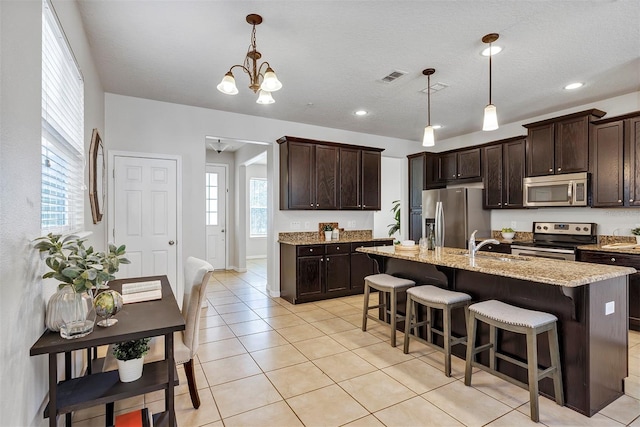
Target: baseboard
[
  {"x": 256, "y": 257},
  {"x": 273, "y": 294},
  {"x": 239, "y": 270}
]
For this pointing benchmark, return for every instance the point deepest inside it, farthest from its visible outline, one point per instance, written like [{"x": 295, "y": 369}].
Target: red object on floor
[{"x": 137, "y": 418}]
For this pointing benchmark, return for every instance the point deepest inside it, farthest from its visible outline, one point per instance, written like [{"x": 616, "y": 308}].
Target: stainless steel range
[{"x": 557, "y": 240}]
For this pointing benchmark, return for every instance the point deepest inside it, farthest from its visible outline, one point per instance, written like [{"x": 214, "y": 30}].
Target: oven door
[{"x": 549, "y": 253}]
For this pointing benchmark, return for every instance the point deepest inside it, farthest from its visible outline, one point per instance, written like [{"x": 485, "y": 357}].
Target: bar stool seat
[
  {"x": 388, "y": 285},
  {"x": 433, "y": 297},
  {"x": 499, "y": 315}
]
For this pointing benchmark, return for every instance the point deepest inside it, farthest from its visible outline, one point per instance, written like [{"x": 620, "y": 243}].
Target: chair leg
[
  {"x": 365, "y": 309},
  {"x": 471, "y": 346},
  {"x": 493, "y": 339},
  {"x": 532, "y": 362},
  {"x": 191, "y": 381},
  {"x": 446, "y": 321},
  {"x": 407, "y": 323},
  {"x": 555, "y": 361},
  {"x": 429, "y": 334},
  {"x": 394, "y": 317}
]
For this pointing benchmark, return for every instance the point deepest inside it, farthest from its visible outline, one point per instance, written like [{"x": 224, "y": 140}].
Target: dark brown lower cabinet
[
  {"x": 623, "y": 260},
  {"x": 322, "y": 271}
]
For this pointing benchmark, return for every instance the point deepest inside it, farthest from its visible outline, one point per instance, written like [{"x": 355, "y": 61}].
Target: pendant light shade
[
  {"x": 228, "y": 84},
  {"x": 264, "y": 97},
  {"x": 490, "y": 113},
  {"x": 428, "y": 140}
]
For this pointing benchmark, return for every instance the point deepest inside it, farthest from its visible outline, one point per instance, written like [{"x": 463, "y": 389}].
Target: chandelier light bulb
[
  {"x": 270, "y": 83},
  {"x": 490, "y": 118},
  {"x": 264, "y": 97},
  {"x": 228, "y": 85},
  {"x": 429, "y": 139}
]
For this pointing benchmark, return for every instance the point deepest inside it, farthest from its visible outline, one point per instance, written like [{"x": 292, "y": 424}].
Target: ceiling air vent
[
  {"x": 436, "y": 87},
  {"x": 394, "y": 75}
]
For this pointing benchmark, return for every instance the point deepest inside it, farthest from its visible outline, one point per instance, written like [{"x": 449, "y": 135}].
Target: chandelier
[{"x": 262, "y": 77}]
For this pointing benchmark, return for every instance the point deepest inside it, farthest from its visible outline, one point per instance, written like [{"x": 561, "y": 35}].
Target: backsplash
[{"x": 312, "y": 236}]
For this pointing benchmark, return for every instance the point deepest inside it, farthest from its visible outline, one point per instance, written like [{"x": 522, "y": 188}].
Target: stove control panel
[{"x": 567, "y": 228}]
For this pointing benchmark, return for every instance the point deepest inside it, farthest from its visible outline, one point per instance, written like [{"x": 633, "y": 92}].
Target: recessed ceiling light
[
  {"x": 494, "y": 50},
  {"x": 437, "y": 126},
  {"x": 572, "y": 86},
  {"x": 361, "y": 113}
]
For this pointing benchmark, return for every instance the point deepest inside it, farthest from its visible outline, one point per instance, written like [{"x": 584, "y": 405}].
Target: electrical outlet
[
  {"x": 351, "y": 224},
  {"x": 609, "y": 308},
  {"x": 514, "y": 225},
  {"x": 295, "y": 225}
]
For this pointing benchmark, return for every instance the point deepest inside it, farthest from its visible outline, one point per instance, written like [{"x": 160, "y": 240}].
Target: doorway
[{"x": 216, "y": 194}]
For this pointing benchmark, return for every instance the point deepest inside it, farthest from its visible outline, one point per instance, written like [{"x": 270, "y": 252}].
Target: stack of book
[{"x": 141, "y": 291}]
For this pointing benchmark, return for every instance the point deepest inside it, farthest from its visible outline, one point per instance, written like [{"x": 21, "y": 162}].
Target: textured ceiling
[{"x": 331, "y": 55}]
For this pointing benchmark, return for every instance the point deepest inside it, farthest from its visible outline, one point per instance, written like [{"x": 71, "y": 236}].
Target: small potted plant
[
  {"x": 130, "y": 358},
  {"x": 508, "y": 233},
  {"x": 328, "y": 228},
  {"x": 636, "y": 232}
]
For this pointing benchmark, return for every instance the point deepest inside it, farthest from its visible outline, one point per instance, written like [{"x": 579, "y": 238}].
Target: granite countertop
[
  {"x": 319, "y": 241},
  {"x": 560, "y": 273},
  {"x": 622, "y": 248}
]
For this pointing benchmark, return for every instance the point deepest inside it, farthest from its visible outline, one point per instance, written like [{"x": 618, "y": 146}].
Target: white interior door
[
  {"x": 216, "y": 216},
  {"x": 145, "y": 216}
]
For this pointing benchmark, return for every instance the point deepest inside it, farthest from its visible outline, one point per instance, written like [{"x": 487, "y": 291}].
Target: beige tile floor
[{"x": 265, "y": 362}]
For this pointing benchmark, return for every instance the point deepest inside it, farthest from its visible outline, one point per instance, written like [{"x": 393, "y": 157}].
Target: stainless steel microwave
[{"x": 556, "y": 190}]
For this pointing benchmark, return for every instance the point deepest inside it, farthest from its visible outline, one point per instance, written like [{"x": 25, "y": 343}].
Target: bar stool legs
[{"x": 528, "y": 322}]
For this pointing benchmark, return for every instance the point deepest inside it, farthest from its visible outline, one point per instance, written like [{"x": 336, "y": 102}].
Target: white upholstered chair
[{"x": 185, "y": 343}]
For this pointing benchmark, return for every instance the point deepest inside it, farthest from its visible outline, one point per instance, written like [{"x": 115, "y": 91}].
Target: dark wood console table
[{"x": 139, "y": 320}]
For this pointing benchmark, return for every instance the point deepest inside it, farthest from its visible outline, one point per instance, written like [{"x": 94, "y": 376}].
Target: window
[
  {"x": 62, "y": 186},
  {"x": 212, "y": 198},
  {"x": 258, "y": 207}
]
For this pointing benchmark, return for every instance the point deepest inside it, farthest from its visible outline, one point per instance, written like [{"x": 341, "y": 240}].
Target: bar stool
[
  {"x": 519, "y": 320},
  {"x": 386, "y": 284},
  {"x": 433, "y": 297}
]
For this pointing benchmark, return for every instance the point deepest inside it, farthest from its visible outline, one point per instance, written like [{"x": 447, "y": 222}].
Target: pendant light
[
  {"x": 428, "y": 140},
  {"x": 490, "y": 113}
]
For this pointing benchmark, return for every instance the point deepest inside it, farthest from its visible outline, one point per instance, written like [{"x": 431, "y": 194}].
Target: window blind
[{"x": 62, "y": 186}]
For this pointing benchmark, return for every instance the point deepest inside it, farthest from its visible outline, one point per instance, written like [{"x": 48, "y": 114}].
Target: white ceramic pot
[
  {"x": 508, "y": 236},
  {"x": 327, "y": 236},
  {"x": 130, "y": 370}
]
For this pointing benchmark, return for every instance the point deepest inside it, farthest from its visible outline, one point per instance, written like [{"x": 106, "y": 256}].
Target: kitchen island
[{"x": 589, "y": 300}]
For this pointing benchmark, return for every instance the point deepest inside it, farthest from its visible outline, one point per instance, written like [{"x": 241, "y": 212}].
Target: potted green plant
[
  {"x": 636, "y": 232},
  {"x": 130, "y": 358},
  {"x": 328, "y": 228},
  {"x": 508, "y": 233},
  {"x": 81, "y": 271},
  {"x": 395, "y": 209}
]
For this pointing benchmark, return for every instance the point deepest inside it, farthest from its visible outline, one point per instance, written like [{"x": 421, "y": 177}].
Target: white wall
[
  {"x": 22, "y": 293},
  {"x": 256, "y": 246},
  {"x": 395, "y": 183}
]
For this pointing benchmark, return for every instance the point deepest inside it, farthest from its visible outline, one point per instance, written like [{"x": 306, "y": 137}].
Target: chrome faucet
[{"x": 472, "y": 244}]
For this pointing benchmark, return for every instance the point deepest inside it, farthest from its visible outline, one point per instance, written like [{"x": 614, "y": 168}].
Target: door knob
[
  {"x": 222, "y": 231},
  {"x": 171, "y": 243}
]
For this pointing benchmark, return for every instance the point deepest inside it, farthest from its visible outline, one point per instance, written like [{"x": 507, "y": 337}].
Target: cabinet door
[
  {"x": 607, "y": 164},
  {"x": 632, "y": 161},
  {"x": 572, "y": 145},
  {"x": 514, "y": 169},
  {"x": 469, "y": 165},
  {"x": 361, "y": 266},
  {"x": 350, "y": 184},
  {"x": 371, "y": 181},
  {"x": 326, "y": 168},
  {"x": 300, "y": 176},
  {"x": 309, "y": 276},
  {"x": 431, "y": 172},
  {"x": 416, "y": 180},
  {"x": 415, "y": 224},
  {"x": 448, "y": 168},
  {"x": 492, "y": 166},
  {"x": 540, "y": 150},
  {"x": 338, "y": 275}
]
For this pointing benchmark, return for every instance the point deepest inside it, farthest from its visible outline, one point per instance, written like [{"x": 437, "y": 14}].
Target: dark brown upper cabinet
[
  {"x": 503, "y": 168},
  {"x": 328, "y": 176},
  {"x": 561, "y": 144},
  {"x": 461, "y": 164},
  {"x": 615, "y": 162}
]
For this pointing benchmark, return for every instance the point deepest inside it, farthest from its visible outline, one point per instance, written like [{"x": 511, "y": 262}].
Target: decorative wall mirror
[{"x": 97, "y": 179}]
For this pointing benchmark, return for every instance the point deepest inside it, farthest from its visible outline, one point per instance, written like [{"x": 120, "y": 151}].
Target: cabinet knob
[
  {"x": 311, "y": 204},
  {"x": 559, "y": 169},
  {"x": 317, "y": 205},
  {"x": 327, "y": 259},
  {"x": 630, "y": 200},
  {"x": 550, "y": 170},
  {"x": 506, "y": 204},
  {"x": 338, "y": 247},
  {"x": 620, "y": 201},
  {"x": 454, "y": 175},
  {"x": 459, "y": 174},
  {"x": 499, "y": 204},
  {"x": 613, "y": 260},
  {"x": 310, "y": 250}
]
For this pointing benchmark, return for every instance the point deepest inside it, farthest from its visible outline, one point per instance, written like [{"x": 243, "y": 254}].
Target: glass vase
[{"x": 78, "y": 314}]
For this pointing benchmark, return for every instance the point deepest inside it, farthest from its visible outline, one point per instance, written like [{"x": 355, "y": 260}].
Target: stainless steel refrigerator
[{"x": 463, "y": 213}]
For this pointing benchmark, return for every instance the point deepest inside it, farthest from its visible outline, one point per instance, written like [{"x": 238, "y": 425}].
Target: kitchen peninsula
[{"x": 589, "y": 300}]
